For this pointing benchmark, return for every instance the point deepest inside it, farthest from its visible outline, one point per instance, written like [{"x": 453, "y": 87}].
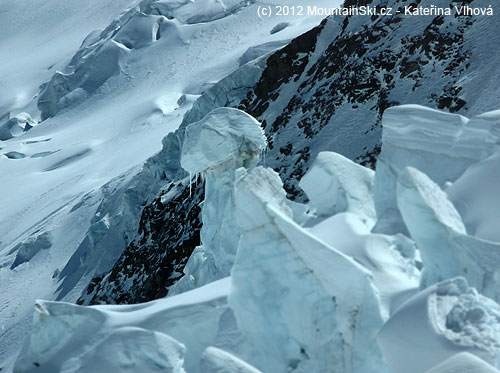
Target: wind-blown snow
[
  {"x": 112, "y": 79},
  {"x": 447, "y": 251},
  {"x": 315, "y": 292},
  {"x": 463, "y": 362}
]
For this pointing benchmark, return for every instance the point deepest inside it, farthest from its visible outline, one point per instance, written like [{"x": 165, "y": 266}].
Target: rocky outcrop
[
  {"x": 170, "y": 230},
  {"x": 327, "y": 90}
]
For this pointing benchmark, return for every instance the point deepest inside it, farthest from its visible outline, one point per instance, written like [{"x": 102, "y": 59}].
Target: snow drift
[{"x": 310, "y": 288}]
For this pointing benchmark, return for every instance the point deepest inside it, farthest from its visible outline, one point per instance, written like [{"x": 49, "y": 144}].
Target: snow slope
[
  {"x": 326, "y": 90},
  {"x": 307, "y": 292},
  {"x": 107, "y": 100},
  {"x": 75, "y": 185}
]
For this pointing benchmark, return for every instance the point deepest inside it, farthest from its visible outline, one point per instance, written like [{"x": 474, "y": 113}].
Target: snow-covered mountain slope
[
  {"x": 325, "y": 90},
  {"x": 301, "y": 296},
  {"x": 38, "y": 39},
  {"x": 70, "y": 201},
  {"x": 77, "y": 182}
]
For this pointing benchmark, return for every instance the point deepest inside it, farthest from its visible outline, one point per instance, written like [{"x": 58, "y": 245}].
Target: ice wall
[
  {"x": 224, "y": 140},
  {"x": 287, "y": 295},
  {"x": 442, "y": 145}
]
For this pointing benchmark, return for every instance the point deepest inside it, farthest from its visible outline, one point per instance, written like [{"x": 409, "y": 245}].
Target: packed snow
[
  {"x": 109, "y": 80},
  {"x": 310, "y": 288},
  {"x": 395, "y": 270},
  {"x": 439, "y": 322},
  {"x": 463, "y": 362}
]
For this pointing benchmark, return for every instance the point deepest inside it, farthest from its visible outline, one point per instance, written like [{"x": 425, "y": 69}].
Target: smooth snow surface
[
  {"x": 463, "y": 363},
  {"x": 336, "y": 184},
  {"x": 390, "y": 259},
  {"x": 111, "y": 79},
  {"x": 439, "y": 322},
  {"x": 447, "y": 251},
  {"x": 475, "y": 196},
  {"x": 310, "y": 289},
  {"x": 215, "y": 360}
]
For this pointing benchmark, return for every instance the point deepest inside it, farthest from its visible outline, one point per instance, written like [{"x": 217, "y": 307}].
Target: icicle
[
  {"x": 263, "y": 153},
  {"x": 190, "y": 177}
]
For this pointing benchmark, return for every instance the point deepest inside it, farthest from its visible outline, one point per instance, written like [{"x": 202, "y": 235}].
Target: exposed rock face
[
  {"x": 170, "y": 229},
  {"x": 325, "y": 90},
  {"x": 326, "y": 100}
]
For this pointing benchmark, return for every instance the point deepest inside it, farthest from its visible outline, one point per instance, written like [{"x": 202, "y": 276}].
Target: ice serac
[
  {"x": 192, "y": 12},
  {"x": 224, "y": 140},
  {"x": 390, "y": 259},
  {"x": 475, "y": 196},
  {"x": 15, "y": 126},
  {"x": 336, "y": 184},
  {"x": 439, "y": 322},
  {"x": 164, "y": 249},
  {"x": 463, "y": 362},
  {"x": 167, "y": 335},
  {"x": 440, "y": 144},
  {"x": 447, "y": 251},
  {"x": 215, "y": 360},
  {"x": 286, "y": 294},
  {"x": 131, "y": 349},
  {"x": 101, "y": 56},
  {"x": 27, "y": 249}
]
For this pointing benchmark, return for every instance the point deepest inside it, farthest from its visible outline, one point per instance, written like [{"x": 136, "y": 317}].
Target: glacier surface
[{"x": 289, "y": 289}]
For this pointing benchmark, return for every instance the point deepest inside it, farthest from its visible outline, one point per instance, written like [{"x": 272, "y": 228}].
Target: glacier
[
  {"x": 82, "y": 157},
  {"x": 447, "y": 251},
  {"x": 112, "y": 80},
  {"x": 346, "y": 187},
  {"x": 477, "y": 202},
  {"x": 306, "y": 321},
  {"x": 224, "y": 140},
  {"x": 439, "y": 322},
  {"x": 294, "y": 290},
  {"x": 442, "y": 145},
  {"x": 463, "y": 362}
]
